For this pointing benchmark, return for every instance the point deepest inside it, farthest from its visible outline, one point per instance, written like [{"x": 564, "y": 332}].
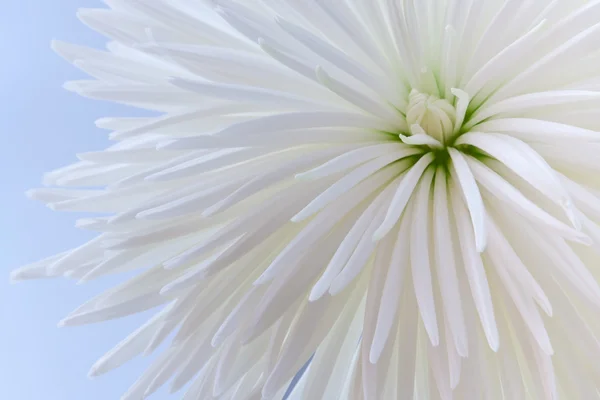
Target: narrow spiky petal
[{"x": 353, "y": 199}]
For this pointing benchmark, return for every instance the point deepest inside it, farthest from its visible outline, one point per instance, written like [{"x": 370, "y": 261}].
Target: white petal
[
  {"x": 533, "y": 130},
  {"x": 474, "y": 269},
  {"x": 526, "y": 163},
  {"x": 392, "y": 288},
  {"x": 349, "y": 246},
  {"x": 500, "y": 188},
  {"x": 354, "y": 158},
  {"x": 403, "y": 194},
  {"x": 350, "y": 180},
  {"x": 419, "y": 257},
  {"x": 360, "y": 100},
  {"x": 446, "y": 265},
  {"x": 280, "y": 208},
  {"x": 133, "y": 345},
  {"x": 461, "y": 173},
  {"x": 530, "y": 101}
]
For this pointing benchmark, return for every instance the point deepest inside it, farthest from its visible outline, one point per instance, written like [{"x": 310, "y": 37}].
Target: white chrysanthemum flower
[{"x": 404, "y": 191}]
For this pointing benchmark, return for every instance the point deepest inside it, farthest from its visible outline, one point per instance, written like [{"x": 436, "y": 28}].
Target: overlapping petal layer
[{"x": 402, "y": 192}]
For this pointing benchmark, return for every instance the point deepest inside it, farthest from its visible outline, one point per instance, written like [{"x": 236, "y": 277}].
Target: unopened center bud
[{"x": 436, "y": 116}]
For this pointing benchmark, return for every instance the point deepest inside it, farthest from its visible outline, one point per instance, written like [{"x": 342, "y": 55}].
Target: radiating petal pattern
[{"x": 397, "y": 198}]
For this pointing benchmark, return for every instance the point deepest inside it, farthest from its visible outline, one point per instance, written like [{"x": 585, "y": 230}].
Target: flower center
[{"x": 436, "y": 117}]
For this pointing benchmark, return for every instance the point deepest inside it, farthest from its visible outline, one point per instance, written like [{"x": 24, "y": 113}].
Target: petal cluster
[{"x": 353, "y": 199}]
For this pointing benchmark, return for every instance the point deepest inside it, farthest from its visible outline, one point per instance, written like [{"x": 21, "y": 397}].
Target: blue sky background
[{"x": 43, "y": 127}]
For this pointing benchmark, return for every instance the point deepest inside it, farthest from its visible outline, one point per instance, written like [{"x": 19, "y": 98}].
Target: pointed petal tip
[
  {"x": 84, "y": 223},
  {"x": 321, "y": 74},
  {"x": 94, "y": 371},
  {"x": 168, "y": 145},
  {"x": 316, "y": 293},
  {"x": 298, "y": 217},
  {"x": 87, "y": 15},
  {"x": 147, "y": 352},
  {"x": 247, "y": 336},
  {"x": 584, "y": 239},
  {"x": 15, "y": 277},
  {"x": 374, "y": 355},
  {"x": 27, "y": 273},
  {"x": 168, "y": 289},
  {"x": 31, "y": 194},
  {"x": 459, "y": 93},
  {"x": 303, "y": 177},
  {"x": 480, "y": 247},
  {"x": 115, "y": 220},
  {"x": 216, "y": 341},
  {"x": 101, "y": 122},
  {"x": 55, "y": 45},
  {"x": 171, "y": 264},
  {"x": 380, "y": 233},
  {"x": 264, "y": 278},
  {"x": 54, "y": 206},
  {"x": 79, "y": 63},
  {"x": 147, "y": 214},
  {"x": 463, "y": 350},
  {"x": 62, "y": 49},
  {"x": 211, "y": 211},
  {"x": 153, "y": 178},
  {"x": 71, "y": 86},
  {"x": 87, "y": 278},
  {"x": 494, "y": 341}
]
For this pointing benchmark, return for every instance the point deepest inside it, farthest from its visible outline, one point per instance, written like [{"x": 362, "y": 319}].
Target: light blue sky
[{"x": 42, "y": 128}]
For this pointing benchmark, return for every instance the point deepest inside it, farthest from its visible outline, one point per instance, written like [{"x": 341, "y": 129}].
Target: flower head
[{"x": 402, "y": 192}]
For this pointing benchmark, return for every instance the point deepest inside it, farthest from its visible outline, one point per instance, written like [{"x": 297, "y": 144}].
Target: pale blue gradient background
[{"x": 42, "y": 127}]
